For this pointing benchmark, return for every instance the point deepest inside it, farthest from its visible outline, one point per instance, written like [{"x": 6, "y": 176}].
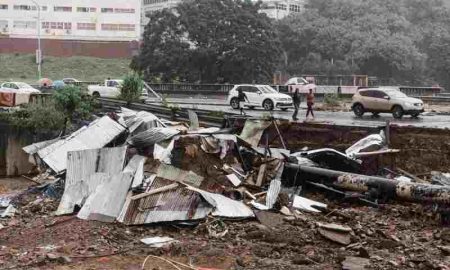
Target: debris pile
[{"x": 134, "y": 168}]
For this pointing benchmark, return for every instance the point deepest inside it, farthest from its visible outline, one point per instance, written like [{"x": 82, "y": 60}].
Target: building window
[
  {"x": 3, "y": 7},
  {"x": 124, "y": 10},
  {"x": 118, "y": 27},
  {"x": 86, "y": 26},
  {"x": 107, "y": 10},
  {"x": 62, "y": 9},
  {"x": 3, "y": 25},
  {"x": 152, "y": 2},
  {"x": 24, "y": 24},
  {"x": 57, "y": 25},
  {"x": 281, "y": 6},
  {"x": 295, "y": 8},
  {"x": 86, "y": 9},
  {"x": 24, "y": 7}
]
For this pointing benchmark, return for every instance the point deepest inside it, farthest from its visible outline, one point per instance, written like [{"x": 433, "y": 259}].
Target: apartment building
[
  {"x": 105, "y": 25},
  {"x": 278, "y": 9}
]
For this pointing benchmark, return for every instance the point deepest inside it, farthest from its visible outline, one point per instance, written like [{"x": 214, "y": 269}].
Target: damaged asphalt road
[{"x": 132, "y": 191}]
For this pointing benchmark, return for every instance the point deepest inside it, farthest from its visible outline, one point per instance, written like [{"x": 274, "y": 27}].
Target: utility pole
[{"x": 39, "y": 54}]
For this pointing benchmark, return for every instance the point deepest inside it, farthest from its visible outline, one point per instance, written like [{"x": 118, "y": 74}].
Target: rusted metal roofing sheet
[
  {"x": 174, "y": 205},
  {"x": 82, "y": 176},
  {"x": 98, "y": 134}
]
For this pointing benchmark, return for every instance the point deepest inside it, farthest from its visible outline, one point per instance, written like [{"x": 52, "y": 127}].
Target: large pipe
[{"x": 362, "y": 183}]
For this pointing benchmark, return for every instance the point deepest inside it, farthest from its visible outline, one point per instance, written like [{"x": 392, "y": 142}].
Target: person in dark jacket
[
  {"x": 297, "y": 100},
  {"x": 242, "y": 98}
]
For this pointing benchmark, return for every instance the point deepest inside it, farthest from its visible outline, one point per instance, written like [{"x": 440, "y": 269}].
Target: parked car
[
  {"x": 69, "y": 80},
  {"x": 18, "y": 87},
  {"x": 301, "y": 84},
  {"x": 110, "y": 89},
  {"x": 385, "y": 100},
  {"x": 260, "y": 96}
]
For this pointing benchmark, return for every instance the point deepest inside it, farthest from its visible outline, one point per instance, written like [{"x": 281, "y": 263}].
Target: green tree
[
  {"x": 72, "y": 104},
  {"x": 208, "y": 40},
  {"x": 131, "y": 88}
]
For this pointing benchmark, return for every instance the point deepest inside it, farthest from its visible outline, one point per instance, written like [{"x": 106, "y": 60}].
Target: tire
[
  {"x": 234, "y": 103},
  {"x": 96, "y": 94},
  {"x": 268, "y": 105},
  {"x": 284, "y": 109},
  {"x": 358, "y": 110},
  {"x": 397, "y": 112}
]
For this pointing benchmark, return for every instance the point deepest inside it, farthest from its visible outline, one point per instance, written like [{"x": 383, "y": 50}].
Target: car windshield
[
  {"x": 396, "y": 94},
  {"x": 267, "y": 89},
  {"x": 23, "y": 85}
]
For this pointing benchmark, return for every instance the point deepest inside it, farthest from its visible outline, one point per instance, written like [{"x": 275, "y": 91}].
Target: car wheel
[
  {"x": 234, "y": 103},
  {"x": 397, "y": 112},
  {"x": 96, "y": 95},
  {"x": 268, "y": 105},
  {"x": 358, "y": 110}
]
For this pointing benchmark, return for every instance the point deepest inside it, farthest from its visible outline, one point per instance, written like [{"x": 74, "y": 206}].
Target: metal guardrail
[{"x": 208, "y": 118}]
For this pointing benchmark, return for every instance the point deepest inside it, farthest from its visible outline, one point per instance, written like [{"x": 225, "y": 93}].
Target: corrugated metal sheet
[
  {"x": 224, "y": 206},
  {"x": 35, "y": 147},
  {"x": 81, "y": 175},
  {"x": 96, "y": 135},
  {"x": 274, "y": 188},
  {"x": 140, "y": 121},
  {"x": 108, "y": 199},
  {"x": 152, "y": 136},
  {"x": 174, "y": 205},
  {"x": 136, "y": 167}
]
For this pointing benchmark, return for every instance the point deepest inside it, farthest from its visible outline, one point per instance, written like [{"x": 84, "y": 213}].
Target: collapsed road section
[{"x": 252, "y": 194}]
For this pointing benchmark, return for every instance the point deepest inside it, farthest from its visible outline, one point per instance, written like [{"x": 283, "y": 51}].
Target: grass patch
[{"x": 22, "y": 67}]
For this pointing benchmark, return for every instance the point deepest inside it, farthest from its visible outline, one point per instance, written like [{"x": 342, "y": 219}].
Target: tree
[
  {"x": 210, "y": 40},
  {"x": 131, "y": 88},
  {"x": 381, "y": 38},
  {"x": 72, "y": 104}
]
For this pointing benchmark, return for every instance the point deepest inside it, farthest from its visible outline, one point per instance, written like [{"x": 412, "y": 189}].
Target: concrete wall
[{"x": 13, "y": 160}]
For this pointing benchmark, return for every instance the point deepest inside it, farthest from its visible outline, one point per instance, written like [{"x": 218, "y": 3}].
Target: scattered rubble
[{"x": 223, "y": 198}]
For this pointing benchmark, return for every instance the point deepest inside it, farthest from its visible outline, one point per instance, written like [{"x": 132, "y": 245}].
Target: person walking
[
  {"x": 297, "y": 100},
  {"x": 242, "y": 98},
  {"x": 310, "y": 103}
]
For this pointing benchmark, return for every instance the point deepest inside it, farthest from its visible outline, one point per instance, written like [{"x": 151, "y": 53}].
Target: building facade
[
  {"x": 278, "y": 9},
  {"x": 149, "y": 6},
  {"x": 69, "y": 23}
]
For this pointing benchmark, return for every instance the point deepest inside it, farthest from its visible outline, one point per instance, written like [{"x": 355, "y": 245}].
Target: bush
[
  {"x": 331, "y": 99},
  {"x": 43, "y": 117},
  {"x": 131, "y": 88}
]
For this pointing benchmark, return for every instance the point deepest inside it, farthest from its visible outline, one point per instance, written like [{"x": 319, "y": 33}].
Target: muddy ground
[{"x": 395, "y": 236}]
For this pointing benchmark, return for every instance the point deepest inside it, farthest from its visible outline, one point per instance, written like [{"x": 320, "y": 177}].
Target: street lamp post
[{"x": 39, "y": 54}]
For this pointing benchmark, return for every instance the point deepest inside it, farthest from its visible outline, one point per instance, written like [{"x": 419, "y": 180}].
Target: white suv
[
  {"x": 380, "y": 100},
  {"x": 259, "y": 96}
]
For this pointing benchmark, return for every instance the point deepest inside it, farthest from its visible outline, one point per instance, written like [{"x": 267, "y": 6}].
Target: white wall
[{"x": 125, "y": 20}]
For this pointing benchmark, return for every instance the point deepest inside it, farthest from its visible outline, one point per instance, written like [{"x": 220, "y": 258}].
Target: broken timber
[{"x": 399, "y": 189}]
